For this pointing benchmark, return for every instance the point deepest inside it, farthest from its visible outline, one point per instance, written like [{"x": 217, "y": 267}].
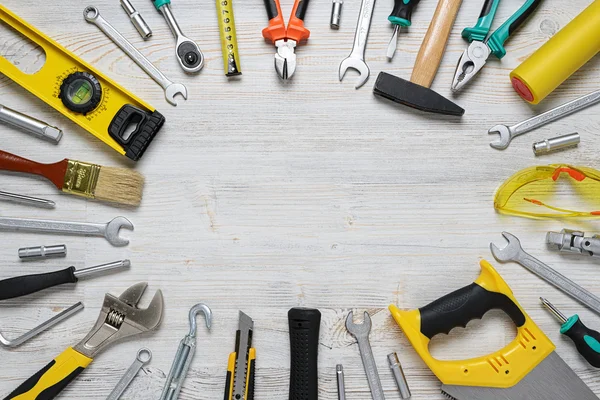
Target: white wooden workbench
[{"x": 262, "y": 196}]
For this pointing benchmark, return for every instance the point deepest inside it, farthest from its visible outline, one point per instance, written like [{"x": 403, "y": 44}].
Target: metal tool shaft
[
  {"x": 560, "y": 316},
  {"x": 99, "y": 269},
  {"x": 30, "y": 125},
  {"x": 26, "y": 200},
  {"x": 339, "y": 372}
]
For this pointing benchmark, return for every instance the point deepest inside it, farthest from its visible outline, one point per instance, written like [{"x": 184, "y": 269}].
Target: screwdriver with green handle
[
  {"x": 586, "y": 340},
  {"x": 400, "y": 17}
]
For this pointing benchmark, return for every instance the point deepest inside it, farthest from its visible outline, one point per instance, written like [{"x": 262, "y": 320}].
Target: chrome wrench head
[
  {"x": 142, "y": 358},
  {"x": 510, "y": 252},
  {"x": 505, "y": 137},
  {"x": 358, "y": 64},
  {"x": 173, "y": 90},
  {"x": 113, "y": 228},
  {"x": 121, "y": 318},
  {"x": 359, "y": 330}
]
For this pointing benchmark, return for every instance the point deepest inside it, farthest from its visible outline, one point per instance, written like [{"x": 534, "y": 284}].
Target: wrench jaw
[
  {"x": 358, "y": 330},
  {"x": 173, "y": 90},
  {"x": 114, "y": 227},
  {"x": 357, "y": 64},
  {"x": 504, "y": 140},
  {"x": 510, "y": 251},
  {"x": 120, "y": 318}
]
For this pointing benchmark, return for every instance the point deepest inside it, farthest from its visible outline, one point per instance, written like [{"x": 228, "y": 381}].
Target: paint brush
[{"x": 117, "y": 185}]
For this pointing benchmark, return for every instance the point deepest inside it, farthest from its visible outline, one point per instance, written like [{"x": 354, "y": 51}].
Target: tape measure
[
  {"x": 229, "y": 45},
  {"x": 84, "y": 95}
]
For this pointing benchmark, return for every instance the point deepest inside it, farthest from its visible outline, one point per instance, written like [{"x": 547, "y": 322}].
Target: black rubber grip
[
  {"x": 577, "y": 333},
  {"x": 460, "y": 307},
  {"x": 487, "y": 7},
  {"x": 304, "y": 326},
  {"x": 147, "y": 124},
  {"x": 515, "y": 25},
  {"x": 271, "y": 8},
  {"x": 251, "y": 380},
  {"x": 228, "y": 379},
  {"x": 49, "y": 393},
  {"x": 27, "y": 284},
  {"x": 404, "y": 10},
  {"x": 301, "y": 10}
]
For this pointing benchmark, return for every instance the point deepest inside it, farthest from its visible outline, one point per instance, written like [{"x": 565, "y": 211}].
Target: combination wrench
[
  {"x": 514, "y": 252},
  {"x": 356, "y": 59},
  {"x": 109, "y": 231},
  {"x": 361, "y": 333},
  {"x": 508, "y": 133},
  {"x": 92, "y": 15},
  {"x": 142, "y": 358}
]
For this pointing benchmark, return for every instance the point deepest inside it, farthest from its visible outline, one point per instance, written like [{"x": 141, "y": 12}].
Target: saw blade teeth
[{"x": 449, "y": 396}]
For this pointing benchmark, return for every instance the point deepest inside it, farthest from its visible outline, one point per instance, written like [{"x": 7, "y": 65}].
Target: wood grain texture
[
  {"x": 432, "y": 50},
  {"x": 262, "y": 195}
]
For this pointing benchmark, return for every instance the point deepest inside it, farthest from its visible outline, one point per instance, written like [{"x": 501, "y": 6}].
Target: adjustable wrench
[
  {"x": 143, "y": 357},
  {"x": 508, "y": 133},
  {"x": 92, "y": 15},
  {"x": 110, "y": 230},
  {"x": 361, "y": 333},
  {"x": 356, "y": 59}
]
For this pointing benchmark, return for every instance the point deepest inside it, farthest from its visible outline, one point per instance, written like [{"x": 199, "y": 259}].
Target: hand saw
[
  {"x": 84, "y": 95},
  {"x": 526, "y": 369},
  {"x": 239, "y": 384}
]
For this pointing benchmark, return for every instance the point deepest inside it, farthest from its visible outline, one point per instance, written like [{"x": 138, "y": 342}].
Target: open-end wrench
[
  {"x": 109, "y": 231},
  {"x": 361, "y": 333},
  {"x": 514, "y": 252},
  {"x": 142, "y": 358},
  {"x": 356, "y": 59},
  {"x": 508, "y": 133},
  {"x": 92, "y": 15}
]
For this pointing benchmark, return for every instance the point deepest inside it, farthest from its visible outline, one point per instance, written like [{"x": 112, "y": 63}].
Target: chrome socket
[
  {"x": 556, "y": 144},
  {"x": 136, "y": 19},
  {"x": 31, "y": 253},
  {"x": 336, "y": 14}
]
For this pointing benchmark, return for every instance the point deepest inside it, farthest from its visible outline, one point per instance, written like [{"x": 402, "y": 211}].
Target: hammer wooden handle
[{"x": 433, "y": 46}]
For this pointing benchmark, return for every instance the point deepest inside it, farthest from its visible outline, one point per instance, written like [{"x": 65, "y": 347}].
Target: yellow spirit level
[{"x": 84, "y": 95}]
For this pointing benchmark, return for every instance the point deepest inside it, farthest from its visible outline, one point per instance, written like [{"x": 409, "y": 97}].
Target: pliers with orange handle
[{"x": 286, "y": 38}]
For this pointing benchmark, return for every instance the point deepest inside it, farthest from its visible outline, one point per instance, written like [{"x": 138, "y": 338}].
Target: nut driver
[{"x": 119, "y": 318}]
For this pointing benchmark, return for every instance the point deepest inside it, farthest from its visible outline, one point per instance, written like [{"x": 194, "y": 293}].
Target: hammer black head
[{"x": 413, "y": 95}]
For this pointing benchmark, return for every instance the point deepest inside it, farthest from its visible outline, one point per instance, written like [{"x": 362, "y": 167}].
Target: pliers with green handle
[{"x": 476, "y": 54}]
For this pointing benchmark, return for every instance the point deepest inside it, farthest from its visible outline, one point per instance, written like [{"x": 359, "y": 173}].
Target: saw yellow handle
[
  {"x": 48, "y": 382},
  {"x": 502, "y": 369}
]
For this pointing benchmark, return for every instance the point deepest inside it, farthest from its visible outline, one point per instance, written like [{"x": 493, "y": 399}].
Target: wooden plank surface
[{"x": 262, "y": 196}]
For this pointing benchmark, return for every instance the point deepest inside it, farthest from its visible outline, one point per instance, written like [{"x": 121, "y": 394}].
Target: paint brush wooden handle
[
  {"x": 433, "y": 46},
  {"x": 53, "y": 172}
]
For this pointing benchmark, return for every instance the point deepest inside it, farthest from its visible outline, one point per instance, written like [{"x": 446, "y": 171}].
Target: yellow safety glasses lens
[{"x": 530, "y": 192}]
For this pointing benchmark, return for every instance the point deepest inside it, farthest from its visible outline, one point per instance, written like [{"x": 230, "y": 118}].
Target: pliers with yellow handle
[
  {"x": 119, "y": 318},
  {"x": 239, "y": 384}
]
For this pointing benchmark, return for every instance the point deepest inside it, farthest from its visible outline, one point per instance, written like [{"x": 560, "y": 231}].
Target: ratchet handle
[
  {"x": 501, "y": 35},
  {"x": 402, "y": 12},
  {"x": 464, "y": 305},
  {"x": 304, "y": 325},
  {"x": 53, "y": 172},
  {"x": 28, "y": 284},
  {"x": 276, "y": 29},
  {"x": 480, "y": 31},
  {"x": 48, "y": 382},
  {"x": 296, "y": 30}
]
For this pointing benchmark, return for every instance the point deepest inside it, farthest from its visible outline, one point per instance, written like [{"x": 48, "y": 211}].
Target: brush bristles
[{"x": 119, "y": 185}]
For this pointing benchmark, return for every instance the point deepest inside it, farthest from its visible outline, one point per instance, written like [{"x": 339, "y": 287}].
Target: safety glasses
[{"x": 529, "y": 192}]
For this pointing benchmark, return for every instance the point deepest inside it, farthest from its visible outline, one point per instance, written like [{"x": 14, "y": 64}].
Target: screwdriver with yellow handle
[
  {"x": 239, "y": 384},
  {"x": 586, "y": 340}
]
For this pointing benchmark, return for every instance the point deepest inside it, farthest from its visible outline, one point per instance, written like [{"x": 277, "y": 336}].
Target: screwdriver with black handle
[
  {"x": 27, "y": 284},
  {"x": 586, "y": 340},
  {"x": 400, "y": 17}
]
